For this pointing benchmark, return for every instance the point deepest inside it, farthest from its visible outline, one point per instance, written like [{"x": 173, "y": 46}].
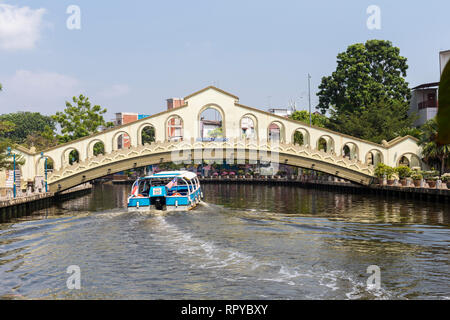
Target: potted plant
[
  {"x": 431, "y": 177},
  {"x": 389, "y": 172},
  {"x": 380, "y": 171},
  {"x": 446, "y": 179},
  {"x": 417, "y": 178},
  {"x": 241, "y": 173},
  {"x": 432, "y": 181},
  {"x": 403, "y": 173}
]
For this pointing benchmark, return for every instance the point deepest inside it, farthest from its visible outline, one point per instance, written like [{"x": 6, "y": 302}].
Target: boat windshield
[{"x": 182, "y": 187}]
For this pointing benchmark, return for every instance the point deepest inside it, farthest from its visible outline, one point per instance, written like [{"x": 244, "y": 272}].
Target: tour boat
[{"x": 166, "y": 190}]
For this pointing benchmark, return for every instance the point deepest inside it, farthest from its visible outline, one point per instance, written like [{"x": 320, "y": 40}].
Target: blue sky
[{"x": 132, "y": 55}]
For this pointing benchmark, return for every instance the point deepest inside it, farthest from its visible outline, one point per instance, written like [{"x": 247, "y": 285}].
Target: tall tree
[
  {"x": 25, "y": 124},
  {"x": 317, "y": 120},
  {"x": 369, "y": 78},
  {"x": 378, "y": 121},
  {"x": 365, "y": 73},
  {"x": 6, "y": 160},
  {"x": 443, "y": 115},
  {"x": 80, "y": 119}
]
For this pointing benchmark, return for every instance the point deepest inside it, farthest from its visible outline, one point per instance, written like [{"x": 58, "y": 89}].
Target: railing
[{"x": 428, "y": 104}]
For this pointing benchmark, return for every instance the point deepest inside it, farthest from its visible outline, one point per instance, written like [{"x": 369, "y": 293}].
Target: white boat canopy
[{"x": 171, "y": 174}]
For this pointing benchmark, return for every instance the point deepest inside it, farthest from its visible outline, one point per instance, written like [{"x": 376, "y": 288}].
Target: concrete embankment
[
  {"x": 433, "y": 194},
  {"x": 394, "y": 191},
  {"x": 26, "y": 205}
]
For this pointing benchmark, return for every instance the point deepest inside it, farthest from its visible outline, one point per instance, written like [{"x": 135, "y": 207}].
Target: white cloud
[
  {"x": 20, "y": 27},
  {"x": 44, "y": 92},
  {"x": 115, "y": 91}
]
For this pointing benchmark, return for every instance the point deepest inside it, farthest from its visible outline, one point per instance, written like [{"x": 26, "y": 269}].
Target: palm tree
[{"x": 431, "y": 150}]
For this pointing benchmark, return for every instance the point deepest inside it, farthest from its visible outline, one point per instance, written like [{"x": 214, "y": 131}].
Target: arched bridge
[{"x": 246, "y": 134}]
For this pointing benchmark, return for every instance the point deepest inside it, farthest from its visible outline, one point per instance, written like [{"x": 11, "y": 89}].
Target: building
[
  {"x": 424, "y": 102},
  {"x": 175, "y": 125},
  {"x": 424, "y": 97},
  {"x": 173, "y": 103},
  {"x": 248, "y": 128},
  {"x": 283, "y": 112},
  {"x": 207, "y": 128},
  {"x": 125, "y": 118},
  {"x": 444, "y": 58}
]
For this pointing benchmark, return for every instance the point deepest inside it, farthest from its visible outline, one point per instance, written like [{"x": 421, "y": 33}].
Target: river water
[{"x": 243, "y": 242}]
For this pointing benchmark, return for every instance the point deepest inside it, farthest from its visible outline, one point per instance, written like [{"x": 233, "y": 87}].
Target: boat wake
[{"x": 235, "y": 266}]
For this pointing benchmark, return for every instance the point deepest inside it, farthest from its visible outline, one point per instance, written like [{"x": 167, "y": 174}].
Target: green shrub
[
  {"x": 417, "y": 175},
  {"x": 430, "y": 174},
  {"x": 380, "y": 170},
  {"x": 383, "y": 169},
  {"x": 403, "y": 172}
]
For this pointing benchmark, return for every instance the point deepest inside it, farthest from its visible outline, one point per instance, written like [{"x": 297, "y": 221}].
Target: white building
[
  {"x": 444, "y": 58},
  {"x": 424, "y": 98},
  {"x": 281, "y": 112},
  {"x": 424, "y": 102}
]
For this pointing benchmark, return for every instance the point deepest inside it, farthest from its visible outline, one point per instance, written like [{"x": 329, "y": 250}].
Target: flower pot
[
  {"x": 417, "y": 183},
  {"x": 403, "y": 182},
  {"x": 431, "y": 183},
  {"x": 390, "y": 182},
  {"x": 448, "y": 184}
]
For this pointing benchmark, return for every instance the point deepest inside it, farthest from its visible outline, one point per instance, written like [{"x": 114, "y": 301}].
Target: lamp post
[
  {"x": 309, "y": 98},
  {"x": 45, "y": 170},
  {"x": 14, "y": 171}
]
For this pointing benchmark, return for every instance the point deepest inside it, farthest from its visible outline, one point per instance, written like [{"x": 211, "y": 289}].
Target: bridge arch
[
  {"x": 68, "y": 157},
  {"x": 276, "y": 132},
  {"x": 217, "y": 108},
  {"x": 248, "y": 126},
  {"x": 116, "y": 137},
  {"x": 301, "y": 137},
  {"x": 141, "y": 129},
  {"x": 325, "y": 143},
  {"x": 373, "y": 157},
  {"x": 350, "y": 150},
  {"x": 410, "y": 160},
  {"x": 91, "y": 145},
  {"x": 174, "y": 127},
  {"x": 40, "y": 165}
]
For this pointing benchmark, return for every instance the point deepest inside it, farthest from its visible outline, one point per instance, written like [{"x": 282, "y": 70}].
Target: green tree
[
  {"x": 365, "y": 73},
  {"x": 378, "y": 121},
  {"x": 41, "y": 140},
  {"x": 148, "y": 135},
  {"x": 443, "y": 115},
  {"x": 369, "y": 77},
  {"x": 6, "y": 160},
  {"x": 432, "y": 151},
  {"x": 317, "y": 120},
  {"x": 25, "y": 124},
  {"x": 216, "y": 133},
  {"x": 80, "y": 119}
]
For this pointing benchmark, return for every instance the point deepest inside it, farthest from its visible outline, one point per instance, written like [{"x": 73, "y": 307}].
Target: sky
[{"x": 130, "y": 56}]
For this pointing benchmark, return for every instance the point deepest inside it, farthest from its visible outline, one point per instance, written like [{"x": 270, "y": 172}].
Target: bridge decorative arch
[
  {"x": 248, "y": 125},
  {"x": 409, "y": 159},
  {"x": 276, "y": 132},
  {"x": 301, "y": 137},
  {"x": 141, "y": 134},
  {"x": 174, "y": 128}
]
